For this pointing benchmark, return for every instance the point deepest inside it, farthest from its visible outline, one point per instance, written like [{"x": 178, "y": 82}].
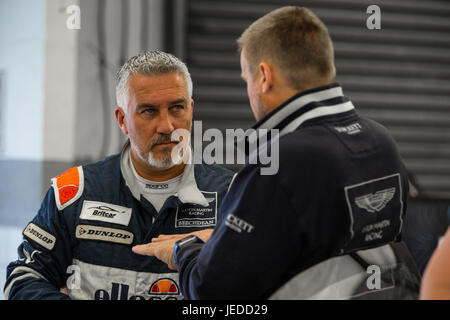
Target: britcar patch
[
  {"x": 100, "y": 211},
  {"x": 90, "y": 232},
  {"x": 193, "y": 215},
  {"x": 39, "y": 236},
  {"x": 375, "y": 208}
]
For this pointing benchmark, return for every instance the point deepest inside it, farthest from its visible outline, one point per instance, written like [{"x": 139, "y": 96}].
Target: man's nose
[{"x": 165, "y": 125}]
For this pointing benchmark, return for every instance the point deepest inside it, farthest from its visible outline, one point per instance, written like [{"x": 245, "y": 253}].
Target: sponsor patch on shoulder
[
  {"x": 100, "y": 211},
  {"x": 90, "y": 232},
  {"x": 39, "y": 236},
  {"x": 375, "y": 209},
  {"x": 68, "y": 187},
  {"x": 350, "y": 129}
]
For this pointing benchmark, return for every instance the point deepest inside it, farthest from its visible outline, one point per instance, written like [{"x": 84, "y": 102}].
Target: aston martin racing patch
[
  {"x": 194, "y": 215},
  {"x": 375, "y": 208}
]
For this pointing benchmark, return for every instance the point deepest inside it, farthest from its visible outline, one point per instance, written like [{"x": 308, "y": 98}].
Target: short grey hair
[{"x": 150, "y": 63}]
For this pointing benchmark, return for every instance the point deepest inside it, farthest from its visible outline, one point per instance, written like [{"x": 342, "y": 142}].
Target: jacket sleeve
[
  {"x": 250, "y": 249},
  {"x": 44, "y": 255}
]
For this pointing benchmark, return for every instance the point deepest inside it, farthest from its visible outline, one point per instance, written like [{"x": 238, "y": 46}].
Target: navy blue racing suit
[{"x": 81, "y": 238}]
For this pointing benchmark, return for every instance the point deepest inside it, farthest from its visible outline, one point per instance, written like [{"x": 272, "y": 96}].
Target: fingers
[
  {"x": 162, "y": 246},
  {"x": 164, "y": 237},
  {"x": 162, "y": 250},
  {"x": 144, "y": 249},
  {"x": 202, "y": 234}
]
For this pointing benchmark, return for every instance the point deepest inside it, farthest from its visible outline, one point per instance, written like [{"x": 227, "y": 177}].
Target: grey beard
[{"x": 164, "y": 163}]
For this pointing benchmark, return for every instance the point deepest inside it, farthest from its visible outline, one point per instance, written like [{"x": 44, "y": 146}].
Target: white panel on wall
[
  {"x": 22, "y": 61},
  {"x": 2, "y": 111},
  {"x": 60, "y": 104}
]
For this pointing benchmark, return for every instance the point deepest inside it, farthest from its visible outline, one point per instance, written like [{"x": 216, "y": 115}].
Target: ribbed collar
[
  {"x": 310, "y": 104},
  {"x": 306, "y": 105}
]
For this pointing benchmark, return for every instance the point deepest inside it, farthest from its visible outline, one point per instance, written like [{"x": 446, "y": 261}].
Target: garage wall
[{"x": 398, "y": 75}]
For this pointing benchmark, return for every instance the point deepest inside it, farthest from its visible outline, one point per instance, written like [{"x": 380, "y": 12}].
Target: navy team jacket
[
  {"x": 81, "y": 238},
  {"x": 341, "y": 186}
]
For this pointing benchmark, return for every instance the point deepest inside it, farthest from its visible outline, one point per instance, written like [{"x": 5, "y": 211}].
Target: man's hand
[
  {"x": 202, "y": 234},
  {"x": 436, "y": 278},
  {"x": 162, "y": 247}
]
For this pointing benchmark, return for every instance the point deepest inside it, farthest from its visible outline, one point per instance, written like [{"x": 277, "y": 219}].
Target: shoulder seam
[{"x": 231, "y": 181}]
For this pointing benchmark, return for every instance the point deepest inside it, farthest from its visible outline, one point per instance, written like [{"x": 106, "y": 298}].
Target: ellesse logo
[
  {"x": 161, "y": 289},
  {"x": 164, "y": 286},
  {"x": 89, "y": 232}
]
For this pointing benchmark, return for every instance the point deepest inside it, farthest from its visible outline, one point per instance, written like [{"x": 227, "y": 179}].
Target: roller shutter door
[{"x": 398, "y": 76}]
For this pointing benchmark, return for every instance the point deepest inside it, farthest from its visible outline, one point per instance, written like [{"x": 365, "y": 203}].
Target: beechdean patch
[
  {"x": 375, "y": 208},
  {"x": 39, "y": 236},
  {"x": 194, "y": 215}
]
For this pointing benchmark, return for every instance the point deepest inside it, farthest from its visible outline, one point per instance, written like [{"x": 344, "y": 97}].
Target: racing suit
[
  {"x": 81, "y": 238},
  {"x": 341, "y": 187}
]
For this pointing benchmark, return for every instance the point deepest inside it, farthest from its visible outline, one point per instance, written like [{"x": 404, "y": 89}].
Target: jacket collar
[
  {"x": 188, "y": 191},
  {"x": 319, "y": 102}
]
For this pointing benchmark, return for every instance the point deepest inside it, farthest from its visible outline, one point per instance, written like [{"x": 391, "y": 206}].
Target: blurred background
[{"x": 57, "y": 81}]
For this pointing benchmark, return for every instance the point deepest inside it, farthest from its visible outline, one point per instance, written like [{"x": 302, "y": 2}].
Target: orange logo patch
[
  {"x": 164, "y": 286},
  {"x": 67, "y": 184}
]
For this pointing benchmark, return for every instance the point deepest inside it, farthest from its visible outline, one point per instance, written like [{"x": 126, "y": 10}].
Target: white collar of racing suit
[{"x": 187, "y": 192}]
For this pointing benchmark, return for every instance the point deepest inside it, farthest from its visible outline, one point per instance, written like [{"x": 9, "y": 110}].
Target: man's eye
[
  {"x": 149, "y": 111},
  {"x": 178, "y": 107}
]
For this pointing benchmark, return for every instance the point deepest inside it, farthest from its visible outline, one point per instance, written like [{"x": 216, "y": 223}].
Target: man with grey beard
[{"x": 80, "y": 240}]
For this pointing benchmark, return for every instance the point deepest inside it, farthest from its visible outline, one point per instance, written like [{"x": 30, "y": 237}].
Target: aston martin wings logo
[{"x": 375, "y": 202}]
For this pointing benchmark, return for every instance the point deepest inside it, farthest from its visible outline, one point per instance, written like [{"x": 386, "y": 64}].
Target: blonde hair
[{"x": 295, "y": 40}]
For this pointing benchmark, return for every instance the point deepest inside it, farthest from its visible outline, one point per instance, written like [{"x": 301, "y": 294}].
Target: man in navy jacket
[{"x": 340, "y": 190}]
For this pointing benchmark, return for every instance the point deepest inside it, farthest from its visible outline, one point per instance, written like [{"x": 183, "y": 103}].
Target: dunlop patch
[
  {"x": 39, "y": 236},
  {"x": 89, "y": 232}
]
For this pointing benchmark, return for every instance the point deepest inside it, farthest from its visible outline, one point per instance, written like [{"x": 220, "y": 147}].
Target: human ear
[
  {"x": 120, "y": 117},
  {"x": 266, "y": 79}
]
